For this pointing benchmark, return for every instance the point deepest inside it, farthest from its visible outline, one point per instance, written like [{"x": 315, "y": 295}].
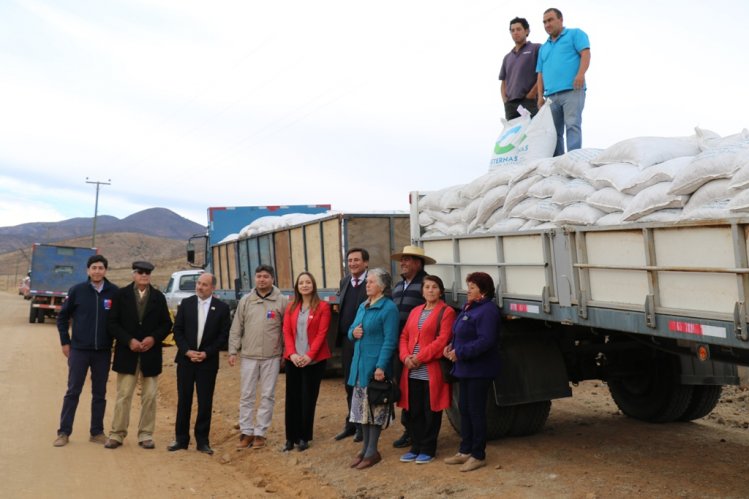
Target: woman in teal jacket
[{"x": 375, "y": 336}]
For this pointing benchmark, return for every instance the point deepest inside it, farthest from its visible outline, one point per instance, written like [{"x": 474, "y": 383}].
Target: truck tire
[
  {"x": 704, "y": 400},
  {"x": 40, "y": 315},
  {"x": 32, "y": 314},
  {"x": 530, "y": 418},
  {"x": 498, "y": 419},
  {"x": 655, "y": 395}
]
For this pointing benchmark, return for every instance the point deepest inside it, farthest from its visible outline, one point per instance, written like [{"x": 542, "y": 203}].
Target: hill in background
[
  {"x": 157, "y": 235},
  {"x": 156, "y": 222}
]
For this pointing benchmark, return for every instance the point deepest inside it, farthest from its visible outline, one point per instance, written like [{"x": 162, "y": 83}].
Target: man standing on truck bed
[
  {"x": 562, "y": 63},
  {"x": 89, "y": 347},
  {"x": 140, "y": 321},
  {"x": 257, "y": 336},
  {"x": 407, "y": 296},
  {"x": 518, "y": 72},
  {"x": 351, "y": 293}
]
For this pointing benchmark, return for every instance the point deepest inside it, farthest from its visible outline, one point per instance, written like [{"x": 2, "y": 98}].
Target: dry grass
[{"x": 121, "y": 249}]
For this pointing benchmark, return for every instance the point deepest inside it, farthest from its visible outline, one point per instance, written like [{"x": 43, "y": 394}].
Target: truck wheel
[
  {"x": 655, "y": 395},
  {"x": 40, "y": 315},
  {"x": 498, "y": 419},
  {"x": 530, "y": 418},
  {"x": 704, "y": 400},
  {"x": 32, "y": 314}
]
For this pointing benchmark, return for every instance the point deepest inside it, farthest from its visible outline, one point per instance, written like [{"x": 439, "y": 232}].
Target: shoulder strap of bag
[{"x": 439, "y": 321}]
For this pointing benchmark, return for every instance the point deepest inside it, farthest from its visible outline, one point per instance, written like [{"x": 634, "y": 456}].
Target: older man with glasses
[{"x": 139, "y": 320}]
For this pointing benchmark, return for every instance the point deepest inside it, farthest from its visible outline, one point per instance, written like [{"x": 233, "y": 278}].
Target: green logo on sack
[{"x": 499, "y": 148}]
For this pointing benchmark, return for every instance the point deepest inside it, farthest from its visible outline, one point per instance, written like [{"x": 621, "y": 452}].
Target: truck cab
[{"x": 181, "y": 285}]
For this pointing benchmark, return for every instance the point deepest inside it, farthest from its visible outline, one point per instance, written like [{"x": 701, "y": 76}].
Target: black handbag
[{"x": 380, "y": 392}]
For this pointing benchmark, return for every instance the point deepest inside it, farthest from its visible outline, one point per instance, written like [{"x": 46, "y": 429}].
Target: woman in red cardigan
[
  {"x": 425, "y": 394},
  {"x": 305, "y": 331}
]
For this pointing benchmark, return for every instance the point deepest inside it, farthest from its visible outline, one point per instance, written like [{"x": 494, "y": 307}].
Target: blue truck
[{"x": 54, "y": 269}]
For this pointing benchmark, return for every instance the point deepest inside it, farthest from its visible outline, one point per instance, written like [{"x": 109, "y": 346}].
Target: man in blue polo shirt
[
  {"x": 562, "y": 63},
  {"x": 518, "y": 72}
]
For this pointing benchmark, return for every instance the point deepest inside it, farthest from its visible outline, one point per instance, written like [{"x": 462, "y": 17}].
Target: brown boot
[
  {"x": 245, "y": 441},
  {"x": 458, "y": 458},
  {"x": 473, "y": 464},
  {"x": 258, "y": 442}
]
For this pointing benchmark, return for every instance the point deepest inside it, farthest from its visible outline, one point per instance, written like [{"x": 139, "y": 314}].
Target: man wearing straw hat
[{"x": 407, "y": 295}]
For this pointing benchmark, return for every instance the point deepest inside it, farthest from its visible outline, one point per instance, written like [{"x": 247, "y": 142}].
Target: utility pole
[{"x": 96, "y": 206}]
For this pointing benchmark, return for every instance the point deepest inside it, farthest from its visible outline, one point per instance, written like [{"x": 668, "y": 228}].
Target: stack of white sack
[
  {"x": 271, "y": 223},
  {"x": 643, "y": 179}
]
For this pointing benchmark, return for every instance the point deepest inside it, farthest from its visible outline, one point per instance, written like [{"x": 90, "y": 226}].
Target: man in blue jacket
[{"x": 89, "y": 347}]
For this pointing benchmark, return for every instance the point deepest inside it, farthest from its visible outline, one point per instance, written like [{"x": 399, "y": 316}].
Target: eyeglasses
[{"x": 141, "y": 271}]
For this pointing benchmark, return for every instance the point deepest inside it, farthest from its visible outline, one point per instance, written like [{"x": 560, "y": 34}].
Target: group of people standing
[
  {"x": 531, "y": 73},
  {"x": 399, "y": 332}
]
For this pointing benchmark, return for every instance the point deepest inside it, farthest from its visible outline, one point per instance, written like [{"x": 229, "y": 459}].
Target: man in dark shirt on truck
[{"x": 518, "y": 73}]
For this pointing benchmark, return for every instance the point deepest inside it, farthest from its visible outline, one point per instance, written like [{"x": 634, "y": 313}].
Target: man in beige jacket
[{"x": 257, "y": 337}]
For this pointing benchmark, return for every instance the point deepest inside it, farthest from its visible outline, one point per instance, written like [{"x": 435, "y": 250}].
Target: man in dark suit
[
  {"x": 200, "y": 330},
  {"x": 351, "y": 293},
  {"x": 139, "y": 321}
]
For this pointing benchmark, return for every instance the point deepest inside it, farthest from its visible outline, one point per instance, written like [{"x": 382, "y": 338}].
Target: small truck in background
[{"x": 54, "y": 269}]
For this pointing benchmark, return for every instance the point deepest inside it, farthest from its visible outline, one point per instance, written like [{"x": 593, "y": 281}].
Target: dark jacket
[
  {"x": 409, "y": 298},
  {"x": 123, "y": 325},
  {"x": 476, "y": 340},
  {"x": 88, "y": 309},
  {"x": 215, "y": 331}
]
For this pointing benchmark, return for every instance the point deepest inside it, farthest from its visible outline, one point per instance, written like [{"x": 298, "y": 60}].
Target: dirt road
[{"x": 587, "y": 449}]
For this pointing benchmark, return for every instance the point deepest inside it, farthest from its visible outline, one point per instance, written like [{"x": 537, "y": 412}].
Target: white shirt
[{"x": 202, "y": 314}]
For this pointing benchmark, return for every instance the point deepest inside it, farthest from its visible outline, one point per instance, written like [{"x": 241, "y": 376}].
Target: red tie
[{"x": 356, "y": 281}]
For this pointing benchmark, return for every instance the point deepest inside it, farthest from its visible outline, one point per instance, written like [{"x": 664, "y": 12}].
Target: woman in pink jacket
[
  {"x": 305, "y": 331},
  {"x": 424, "y": 392}
]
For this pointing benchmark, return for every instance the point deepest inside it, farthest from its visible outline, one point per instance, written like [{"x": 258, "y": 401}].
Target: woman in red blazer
[
  {"x": 305, "y": 331},
  {"x": 425, "y": 394}
]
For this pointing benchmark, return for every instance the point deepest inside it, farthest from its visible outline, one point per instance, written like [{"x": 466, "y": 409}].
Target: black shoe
[
  {"x": 303, "y": 445},
  {"x": 205, "y": 449},
  {"x": 358, "y": 437},
  {"x": 288, "y": 446},
  {"x": 348, "y": 430},
  {"x": 403, "y": 441},
  {"x": 176, "y": 446}
]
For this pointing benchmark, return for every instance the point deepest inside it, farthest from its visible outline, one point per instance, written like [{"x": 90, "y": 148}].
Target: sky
[{"x": 187, "y": 104}]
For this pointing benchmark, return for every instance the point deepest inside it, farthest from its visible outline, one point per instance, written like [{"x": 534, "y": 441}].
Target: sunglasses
[{"x": 141, "y": 271}]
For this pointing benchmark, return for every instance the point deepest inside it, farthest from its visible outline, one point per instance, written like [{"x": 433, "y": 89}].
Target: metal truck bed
[{"x": 686, "y": 281}]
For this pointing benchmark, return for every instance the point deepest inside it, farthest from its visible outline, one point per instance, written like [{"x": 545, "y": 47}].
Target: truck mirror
[{"x": 190, "y": 252}]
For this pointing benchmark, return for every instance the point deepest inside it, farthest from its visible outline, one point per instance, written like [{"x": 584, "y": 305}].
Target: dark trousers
[
  {"x": 424, "y": 423},
  {"x": 302, "y": 389},
  {"x": 511, "y": 108},
  {"x": 347, "y": 356},
  {"x": 79, "y": 362},
  {"x": 190, "y": 377},
  {"x": 472, "y": 404},
  {"x": 397, "y": 373}
]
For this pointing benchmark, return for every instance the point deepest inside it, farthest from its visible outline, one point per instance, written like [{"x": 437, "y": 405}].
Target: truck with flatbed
[
  {"x": 318, "y": 245},
  {"x": 224, "y": 226},
  {"x": 54, "y": 269},
  {"x": 658, "y": 311}
]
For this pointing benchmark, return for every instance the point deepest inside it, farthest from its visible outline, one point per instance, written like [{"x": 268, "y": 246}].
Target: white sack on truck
[{"x": 524, "y": 139}]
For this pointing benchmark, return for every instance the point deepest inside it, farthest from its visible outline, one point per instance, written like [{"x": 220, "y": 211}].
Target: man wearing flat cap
[
  {"x": 139, "y": 321},
  {"x": 407, "y": 296}
]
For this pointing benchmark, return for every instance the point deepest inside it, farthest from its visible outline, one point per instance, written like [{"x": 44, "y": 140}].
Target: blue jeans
[
  {"x": 79, "y": 362},
  {"x": 567, "y": 111}
]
